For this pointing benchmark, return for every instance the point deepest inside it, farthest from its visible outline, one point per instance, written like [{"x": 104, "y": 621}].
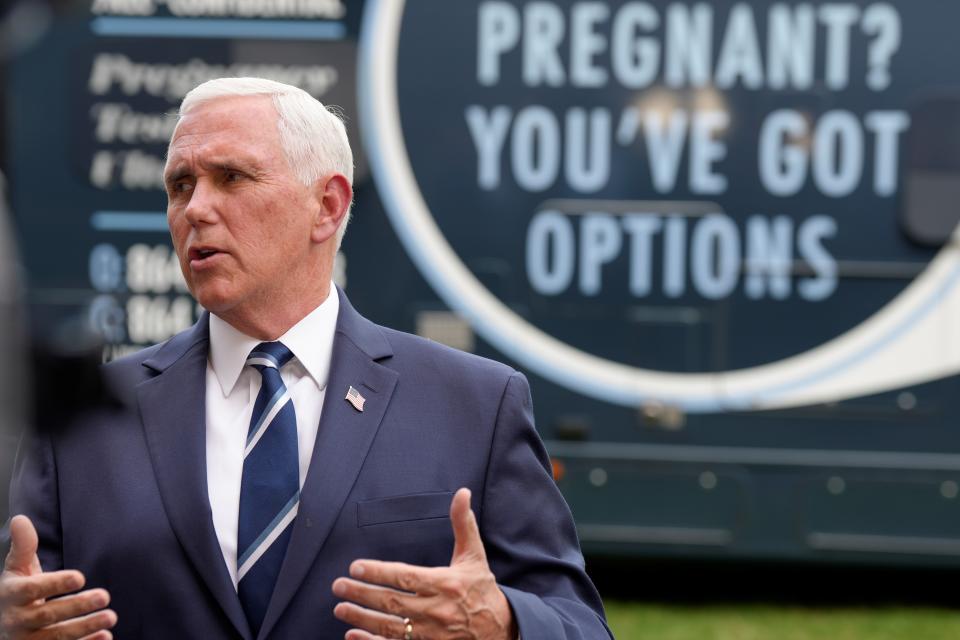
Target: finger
[
  {"x": 99, "y": 635},
  {"x": 467, "y": 544},
  {"x": 373, "y": 622},
  {"x": 406, "y": 577},
  {"x": 20, "y": 590},
  {"x": 360, "y": 634},
  {"x": 391, "y": 601},
  {"x": 78, "y": 627},
  {"x": 58, "y": 610},
  {"x": 22, "y": 557}
]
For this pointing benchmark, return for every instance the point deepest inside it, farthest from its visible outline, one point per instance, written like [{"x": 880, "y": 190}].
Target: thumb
[
  {"x": 22, "y": 558},
  {"x": 467, "y": 545}
]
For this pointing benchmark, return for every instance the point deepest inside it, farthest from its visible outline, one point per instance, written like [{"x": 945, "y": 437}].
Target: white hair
[{"x": 313, "y": 137}]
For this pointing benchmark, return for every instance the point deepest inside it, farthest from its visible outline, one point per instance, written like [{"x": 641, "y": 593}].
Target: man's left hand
[{"x": 403, "y": 601}]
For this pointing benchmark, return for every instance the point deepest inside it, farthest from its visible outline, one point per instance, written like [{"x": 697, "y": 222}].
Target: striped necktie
[{"x": 270, "y": 488}]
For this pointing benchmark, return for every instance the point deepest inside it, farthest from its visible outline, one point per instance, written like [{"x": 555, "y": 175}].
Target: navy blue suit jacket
[{"x": 122, "y": 496}]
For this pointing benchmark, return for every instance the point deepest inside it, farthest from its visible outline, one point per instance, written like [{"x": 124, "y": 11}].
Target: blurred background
[{"x": 717, "y": 237}]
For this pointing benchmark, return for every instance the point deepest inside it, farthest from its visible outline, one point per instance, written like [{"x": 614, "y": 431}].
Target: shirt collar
[{"x": 310, "y": 340}]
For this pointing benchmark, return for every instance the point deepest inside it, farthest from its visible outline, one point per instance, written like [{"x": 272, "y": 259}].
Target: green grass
[{"x": 635, "y": 621}]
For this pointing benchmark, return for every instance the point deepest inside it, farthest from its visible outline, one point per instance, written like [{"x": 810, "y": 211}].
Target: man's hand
[
  {"x": 27, "y": 611},
  {"x": 441, "y": 603}
]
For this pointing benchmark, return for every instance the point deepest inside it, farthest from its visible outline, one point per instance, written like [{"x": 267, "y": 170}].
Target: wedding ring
[{"x": 407, "y": 629}]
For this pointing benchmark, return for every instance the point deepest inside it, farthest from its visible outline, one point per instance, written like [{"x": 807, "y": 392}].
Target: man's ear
[{"x": 334, "y": 194}]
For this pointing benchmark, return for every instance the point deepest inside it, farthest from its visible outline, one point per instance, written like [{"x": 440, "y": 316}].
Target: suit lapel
[
  {"x": 172, "y": 408},
  {"x": 343, "y": 440}
]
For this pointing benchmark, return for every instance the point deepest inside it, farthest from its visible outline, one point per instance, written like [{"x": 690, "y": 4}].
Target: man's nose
[{"x": 203, "y": 205}]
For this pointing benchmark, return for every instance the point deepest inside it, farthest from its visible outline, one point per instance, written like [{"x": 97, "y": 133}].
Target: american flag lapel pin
[{"x": 353, "y": 397}]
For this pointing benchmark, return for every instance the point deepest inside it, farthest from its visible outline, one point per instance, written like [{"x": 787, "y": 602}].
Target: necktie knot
[{"x": 269, "y": 354}]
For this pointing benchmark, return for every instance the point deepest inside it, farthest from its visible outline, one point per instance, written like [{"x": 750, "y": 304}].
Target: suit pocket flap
[{"x": 418, "y": 506}]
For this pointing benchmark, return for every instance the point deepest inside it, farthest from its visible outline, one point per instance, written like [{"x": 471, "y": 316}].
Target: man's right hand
[{"x": 29, "y": 606}]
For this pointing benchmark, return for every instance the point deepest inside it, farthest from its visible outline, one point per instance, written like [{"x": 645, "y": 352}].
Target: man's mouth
[{"x": 200, "y": 254}]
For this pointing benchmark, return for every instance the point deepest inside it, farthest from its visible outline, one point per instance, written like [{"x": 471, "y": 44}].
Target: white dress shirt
[{"x": 232, "y": 389}]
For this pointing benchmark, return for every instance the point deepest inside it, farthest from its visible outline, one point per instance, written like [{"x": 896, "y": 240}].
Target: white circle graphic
[{"x": 913, "y": 339}]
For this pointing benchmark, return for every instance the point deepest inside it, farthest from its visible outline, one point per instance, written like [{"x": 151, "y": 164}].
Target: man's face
[{"x": 239, "y": 218}]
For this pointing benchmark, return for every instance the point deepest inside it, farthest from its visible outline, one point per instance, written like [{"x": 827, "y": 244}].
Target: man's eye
[
  {"x": 233, "y": 176},
  {"x": 181, "y": 187}
]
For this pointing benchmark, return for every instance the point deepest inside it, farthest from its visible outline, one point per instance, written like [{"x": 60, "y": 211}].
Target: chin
[{"x": 217, "y": 302}]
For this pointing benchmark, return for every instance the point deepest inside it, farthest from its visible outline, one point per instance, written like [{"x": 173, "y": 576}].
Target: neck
[{"x": 273, "y": 318}]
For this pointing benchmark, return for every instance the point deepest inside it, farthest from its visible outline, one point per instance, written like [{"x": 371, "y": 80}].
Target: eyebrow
[
  {"x": 231, "y": 166},
  {"x": 173, "y": 175},
  {"x": 183, "y": 171},
  {"x": 232, "y": 161}
]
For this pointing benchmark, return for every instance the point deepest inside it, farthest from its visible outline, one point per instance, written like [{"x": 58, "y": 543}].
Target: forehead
[{"x": 242, "y": 126}]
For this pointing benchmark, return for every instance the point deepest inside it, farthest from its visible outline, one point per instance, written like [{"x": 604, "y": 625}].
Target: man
[{"x": 285, "y": 442}]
